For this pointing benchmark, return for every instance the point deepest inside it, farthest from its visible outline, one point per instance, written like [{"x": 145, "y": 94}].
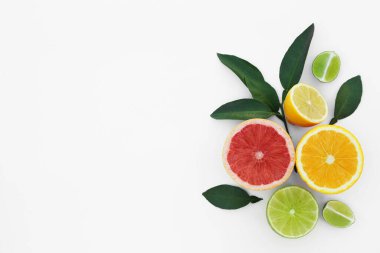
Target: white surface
[{"x": 106, "y": 143}]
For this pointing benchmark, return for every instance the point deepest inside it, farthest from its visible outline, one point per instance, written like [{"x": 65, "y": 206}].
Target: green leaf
[
  {"x": 243, "y": 109},
  {"x": 265, "y": 93},
  {"x": 333, "y": 121},
  {"x": 242, "y": 68},
  {"x": 229, "y": 197},
  {"x": 348, "y": 98},
  {"x": 253, "y": 79},
  {"x": 254, "y": 199},
  {"x": 294, "y": 60}
]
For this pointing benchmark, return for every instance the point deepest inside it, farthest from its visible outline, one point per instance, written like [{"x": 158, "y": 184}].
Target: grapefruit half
[{"x": 259, "y": 154}]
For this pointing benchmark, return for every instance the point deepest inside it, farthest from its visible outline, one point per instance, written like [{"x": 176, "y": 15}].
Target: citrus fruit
[
  {"x": 329, "y": 159},
  {"x": 338, "y": 214},
  {"x": 292, "y": 212},
  {"x": 326, "y": 66},
  {"x": 258, "y": 154},
  {"x": 305, "y": 106}
]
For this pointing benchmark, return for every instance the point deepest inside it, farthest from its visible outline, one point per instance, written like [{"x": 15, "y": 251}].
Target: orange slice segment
[{"x": 329, "y": 159}]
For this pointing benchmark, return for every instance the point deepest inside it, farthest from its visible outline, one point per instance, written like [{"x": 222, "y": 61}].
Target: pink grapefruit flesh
[{"x": 259, "y": 154}]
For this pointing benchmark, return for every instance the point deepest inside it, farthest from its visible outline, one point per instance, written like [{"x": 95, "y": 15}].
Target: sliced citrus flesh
[
  {"x": 305, "y": 106},
  {"x": 258, "y": 154},
  {"x": 292, "y": 212},
  {"x": 329, "y": 159},
  {"x": 326, "y": 66},
  {"x": 338, "y": 214}
]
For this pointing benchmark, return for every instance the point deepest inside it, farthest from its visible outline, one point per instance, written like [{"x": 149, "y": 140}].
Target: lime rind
[
  {"x": 326, "y": 66},
  {"x": 292, "y": 212},
  {"x": 338, "y": 214}
]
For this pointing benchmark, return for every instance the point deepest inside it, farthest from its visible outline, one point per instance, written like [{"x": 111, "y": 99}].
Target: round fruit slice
[
  {"x": 326, "y": 66},
  {"x": 305, "y": 106},
  {"x": 259, "y": 154},
  {"x": 338, "y": 214},
  {"x": 292, "y": 212},
  {"x": 329, "y": 159}
]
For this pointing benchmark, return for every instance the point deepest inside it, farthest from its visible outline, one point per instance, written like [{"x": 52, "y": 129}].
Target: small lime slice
[
  {"x": 292, "y": 212},
  {"x": 338, "y": 214},
  {"x": 326, "y": 66}
]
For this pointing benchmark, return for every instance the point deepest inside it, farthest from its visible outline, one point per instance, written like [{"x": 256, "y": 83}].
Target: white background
[{"x": 106, "y": 143}]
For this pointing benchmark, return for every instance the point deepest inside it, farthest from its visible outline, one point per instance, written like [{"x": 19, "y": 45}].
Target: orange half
[{"x": 329, "y": 159}]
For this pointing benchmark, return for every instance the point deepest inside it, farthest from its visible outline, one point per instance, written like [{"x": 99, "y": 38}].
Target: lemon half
[{"x": 305, "y": 106}]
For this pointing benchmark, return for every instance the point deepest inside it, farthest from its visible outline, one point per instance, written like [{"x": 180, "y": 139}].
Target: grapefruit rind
[
  {"x": 281, "y": 132},
  {"x": 304, "y": 175}
]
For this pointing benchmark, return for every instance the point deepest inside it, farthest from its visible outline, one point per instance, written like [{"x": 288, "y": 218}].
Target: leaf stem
[
  {"x": 279, "y": 116},
  {"x": 283, "y": 118}
]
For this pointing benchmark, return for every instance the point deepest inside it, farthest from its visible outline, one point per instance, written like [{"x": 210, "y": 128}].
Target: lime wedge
[
  {"x": 292, "y": 212},
  {"x": 338, "y": 214},
  {"x": 326, "y": 66}
]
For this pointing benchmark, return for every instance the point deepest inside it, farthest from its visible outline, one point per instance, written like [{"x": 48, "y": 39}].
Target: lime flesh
[
  {"x": 292, "y": 212},
  {"x": 338, "y": 214},
  {"x": 326, "y": 66}
]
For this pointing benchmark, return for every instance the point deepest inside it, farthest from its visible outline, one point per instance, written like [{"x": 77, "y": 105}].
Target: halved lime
[
  {"x": 338, "y": 214},
  {"x": 292, "y": 212},
  {"x": 326, "y": 66}
]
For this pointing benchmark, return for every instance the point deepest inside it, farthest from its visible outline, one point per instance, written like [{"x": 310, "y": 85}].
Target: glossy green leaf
[
  {"x": 294, "y": 60},
  {"x": 265, "y": 93},
  {"x": 243, "y": 109},
  {"x": 254, "y": 199},
  {"x": 348, "y": 98},
  {"x": 242, "y": 68},
  {"x": 253, "y": 79},
  {"x": 229, "y": 197}
]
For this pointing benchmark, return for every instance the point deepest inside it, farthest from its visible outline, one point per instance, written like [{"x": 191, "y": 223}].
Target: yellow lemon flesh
[{"x": 305, "y": 106}]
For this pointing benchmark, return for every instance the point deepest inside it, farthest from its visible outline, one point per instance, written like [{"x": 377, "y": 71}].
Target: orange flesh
[{"x": 329, "y": 159}]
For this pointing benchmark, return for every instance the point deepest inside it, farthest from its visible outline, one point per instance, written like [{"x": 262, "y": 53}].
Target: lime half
[
  {"x": 326, "y": 66},
  {"x": 292, "y": 212},
  {"x": 338, "y": 214}
]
